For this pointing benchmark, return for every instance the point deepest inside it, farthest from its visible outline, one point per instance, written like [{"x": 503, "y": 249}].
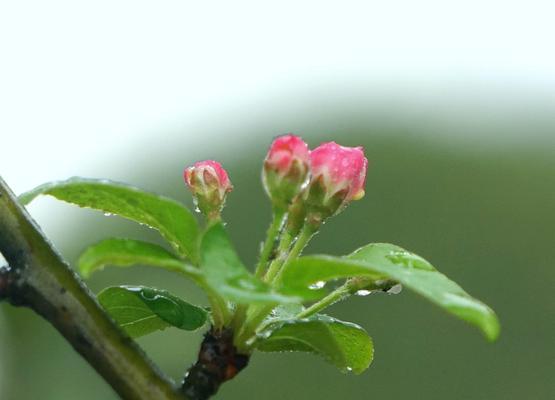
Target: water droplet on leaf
[
  {"x": 164, "y": 306},
  {"x": 317, "y": 285},
  {"x": 395, "y": 289},
  {"x": 409, "y": 260}
]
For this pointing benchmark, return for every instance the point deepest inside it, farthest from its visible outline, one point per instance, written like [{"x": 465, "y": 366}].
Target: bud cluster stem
[
  {"x": 285, "y": 255},
  {"x": 282, "y": 254},
  {"x": 219, "y": 309},
  {"x": 307, "y": 232},
  {"x": 278, "y": 219}
]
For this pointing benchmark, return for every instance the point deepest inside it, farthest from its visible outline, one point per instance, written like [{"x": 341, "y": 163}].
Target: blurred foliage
[{"x": 484, "y": 214}]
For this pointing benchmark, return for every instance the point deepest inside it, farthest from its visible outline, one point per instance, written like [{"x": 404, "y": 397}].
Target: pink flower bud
[
  {"x": 338, "y": 176},
  {"x": 286, "y": 169},
  {"x": 209, "y": 183}
]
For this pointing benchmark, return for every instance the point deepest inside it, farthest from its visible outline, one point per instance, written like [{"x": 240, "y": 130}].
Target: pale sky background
[{"x": 79, "y": 80}]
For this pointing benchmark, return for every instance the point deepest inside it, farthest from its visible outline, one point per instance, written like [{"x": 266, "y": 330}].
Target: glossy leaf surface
[
  {"x": 128, "y": 252},
  {"x": 173, "y": 220},
  {"x": 142, "y": 310},
  {"x": 227, "y": 275},
  {"x": 345, "y": 345},
  {"x": 385, "y": 261}
]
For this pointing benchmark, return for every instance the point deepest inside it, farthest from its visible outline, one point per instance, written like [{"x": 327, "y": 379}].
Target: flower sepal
[
  {"x": 286, "y": 169},
  {"x": 338, "y": 177},
  {"x": 209, "y": 183}
]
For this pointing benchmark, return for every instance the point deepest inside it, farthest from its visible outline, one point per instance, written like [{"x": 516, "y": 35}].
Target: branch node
[{"x": 218, "y": 361}]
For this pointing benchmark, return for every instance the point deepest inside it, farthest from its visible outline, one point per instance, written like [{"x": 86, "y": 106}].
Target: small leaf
[
  {"x": 345, "y": 345},
  {"x": 228, "y": 276},
  {"x": 142, "y": 310},
  {"x": 128, "y": 252},
  {"x": 386, "y": 261},
  {"x": 174, "y": 222}
]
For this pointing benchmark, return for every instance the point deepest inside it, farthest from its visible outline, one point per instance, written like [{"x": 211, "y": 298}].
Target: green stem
[
  {"x": 258, "y": 313},
  {"x": 307, "y": 231},
  {"x": 279, "y": 215},
  {"x": 273, "y": 276},
  {"x": 239, "y": 317},
  {"x": 350, "y": 287},
  {"x": 282, "y": 254},
  {"x": 219, "y": 309},
  {"x": 338, "y": 294},
  {"x": 251, "y": 325},
  {"x": 38, "y": 278}
]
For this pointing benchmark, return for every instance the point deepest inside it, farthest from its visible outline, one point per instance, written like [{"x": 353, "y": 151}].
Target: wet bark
[{"x": 218, "y": 361}]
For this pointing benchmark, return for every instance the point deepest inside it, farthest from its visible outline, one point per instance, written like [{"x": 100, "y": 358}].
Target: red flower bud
[
  {"x": 338, "y": 176},
  {"x": 209, "y": 183},
  {"x": 286, "y": 169}
]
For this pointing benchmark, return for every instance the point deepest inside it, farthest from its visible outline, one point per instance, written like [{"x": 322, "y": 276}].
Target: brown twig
[
  {"x": 218, "y": 361},
  {"x": 38, "y": 278}
]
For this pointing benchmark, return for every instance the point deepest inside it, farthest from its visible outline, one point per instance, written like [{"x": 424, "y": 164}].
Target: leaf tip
[{"x": 492, "y": 329}]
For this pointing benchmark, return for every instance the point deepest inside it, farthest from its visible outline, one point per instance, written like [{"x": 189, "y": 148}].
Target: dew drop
[
  {"x": 166, "y": 308},
  {"x": 148, "y": 296},
  {"x": 395, "y": 289},
  {"x": 266, "y": 334},
  {"x": 195, "y": 203},
  {"x": 409, "y": 260},
  {"x": 3, "y": 263},
  {"x": 317, "y": 285}
]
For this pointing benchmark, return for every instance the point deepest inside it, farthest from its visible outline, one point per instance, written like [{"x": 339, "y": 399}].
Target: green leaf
[
  {"x": 142, "y": 310},
  {"x": 386, "y": 261},
  {"x": 127, "y": 252},
  {"x": 227, "y": 275},
  {"x": 345, "y": 345},
  {"x": 174, "y": 222}
]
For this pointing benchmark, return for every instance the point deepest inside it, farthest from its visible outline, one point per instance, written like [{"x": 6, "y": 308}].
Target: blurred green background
[{"x": 473, "y": 194}]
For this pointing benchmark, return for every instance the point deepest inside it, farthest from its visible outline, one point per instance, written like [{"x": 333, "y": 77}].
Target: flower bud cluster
[
  {"x": 309, "y": 184},
  {"x": 313, "y": 184}
]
